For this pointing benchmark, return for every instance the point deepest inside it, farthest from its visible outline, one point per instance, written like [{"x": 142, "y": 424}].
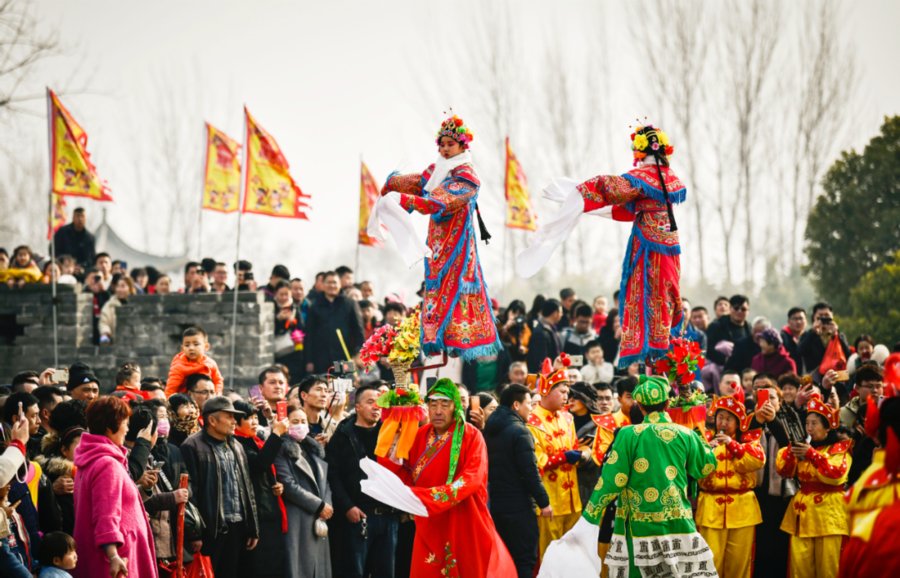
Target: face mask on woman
[
  {"x": 162, "y": 427},
  {"x": 187, "y": 424},
  {"x": 298, "y": 431}
]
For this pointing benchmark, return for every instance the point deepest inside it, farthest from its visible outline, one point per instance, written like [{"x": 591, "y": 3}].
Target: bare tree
[
  {"x": 751, "y": 32},
  {"x": 22, "y": 48},
  {"x": 827, "y": 80},
  {"x": 24, "y": 198},
  {"x": 678, "y": 60}
]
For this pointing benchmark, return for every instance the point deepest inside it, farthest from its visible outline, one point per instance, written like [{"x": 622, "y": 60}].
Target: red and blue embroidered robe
[
  {"x": 649, "y": 294},
  {"x": 456, "y": 312}
]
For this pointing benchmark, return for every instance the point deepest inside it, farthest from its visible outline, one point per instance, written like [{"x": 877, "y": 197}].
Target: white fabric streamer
[
  {"x": 575, "y": 554},
  {"x": 383, "y": 485},
  {"x": 388, "y": 215},
  {"x": 442, "y": 168},
  {"x": 556, "y": 230}
]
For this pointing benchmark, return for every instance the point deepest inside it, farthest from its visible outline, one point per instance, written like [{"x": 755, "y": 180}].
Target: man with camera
[{"x": 815, "y": 341}]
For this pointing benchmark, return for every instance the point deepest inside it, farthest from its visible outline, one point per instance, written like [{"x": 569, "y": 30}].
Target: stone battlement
[{"x": 148, "y": 331}]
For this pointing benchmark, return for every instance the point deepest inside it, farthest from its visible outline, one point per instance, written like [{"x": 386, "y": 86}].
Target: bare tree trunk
[
  {"x": 827, "y": 77},
  {"x": 678, "y": 82},
  {"x": 751, "y": 33}
]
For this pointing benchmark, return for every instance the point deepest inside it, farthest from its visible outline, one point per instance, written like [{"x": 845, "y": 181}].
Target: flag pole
[
  {"x": 53, "y": 300},
  {"x": 202, "y": 194},
  {"x": 237, "y": 251},
  {"x": 358, "y": 216},
  {"x": 505, "y": 210}
]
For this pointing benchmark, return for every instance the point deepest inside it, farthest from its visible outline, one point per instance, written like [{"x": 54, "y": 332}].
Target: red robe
[
  {"x": 649, "y": 295},
  {"x": 458, "y": 538},
  {"x": 456, "y": 312}
]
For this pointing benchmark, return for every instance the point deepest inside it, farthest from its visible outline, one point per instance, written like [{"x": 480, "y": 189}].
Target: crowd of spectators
[{"x": 274, "y": 476}]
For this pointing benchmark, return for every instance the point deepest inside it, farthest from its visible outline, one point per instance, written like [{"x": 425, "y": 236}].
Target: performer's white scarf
[{"x": 442, "y": 168}]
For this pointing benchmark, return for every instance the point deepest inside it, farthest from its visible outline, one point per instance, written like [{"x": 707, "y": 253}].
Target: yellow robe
[
  {"x": 554, "y": 433},
  {"x": 873, "y": 491},
  {"x": 815, "y": 518},
  {"x": 818, "y": 508},
  {"x": 727, "y": 510},
  {"x": 726, "y": 496}
]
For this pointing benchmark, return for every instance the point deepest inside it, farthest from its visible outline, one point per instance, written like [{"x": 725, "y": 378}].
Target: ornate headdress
[
  {"x": 733, "y": 406},
  {"x": 455, "y": 128},
  {"x": 647, "y": 140},
  {"x": 550, "y": 378},
  {"x": 816, "y": 405}
]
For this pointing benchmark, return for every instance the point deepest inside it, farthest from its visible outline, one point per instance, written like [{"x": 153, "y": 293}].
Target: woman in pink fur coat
[{"x": 112, "y": 533}]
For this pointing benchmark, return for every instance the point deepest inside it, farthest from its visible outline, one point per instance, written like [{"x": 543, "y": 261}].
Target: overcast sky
[{"x": 333, "y": 81}]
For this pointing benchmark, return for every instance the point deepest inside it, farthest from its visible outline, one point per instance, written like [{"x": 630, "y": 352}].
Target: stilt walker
[
  {"x": 456, "y": 313},
  {"x": 649, "y": 298}
]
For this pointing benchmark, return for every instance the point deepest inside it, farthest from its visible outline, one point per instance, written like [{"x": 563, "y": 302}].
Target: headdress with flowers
[
  {"x": 649, "y": 140},
  {"x": 455, "y": 128}
]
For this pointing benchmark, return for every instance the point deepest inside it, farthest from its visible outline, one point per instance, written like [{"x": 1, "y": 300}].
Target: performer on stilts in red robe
[
  {"x": 649, "y": 295},
  {"x": 456, "y": 313}
]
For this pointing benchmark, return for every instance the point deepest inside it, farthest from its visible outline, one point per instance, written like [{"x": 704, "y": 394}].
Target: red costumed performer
[
  {"x": 447, "y": 471},
  {"x": 649, "y": 297},
  {"x": 456, "y": 313}
]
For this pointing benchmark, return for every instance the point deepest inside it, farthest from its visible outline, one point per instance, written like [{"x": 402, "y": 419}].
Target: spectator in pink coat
[
  {"x": 112, "y": 533},
  {"x": 773, "y": 358}
]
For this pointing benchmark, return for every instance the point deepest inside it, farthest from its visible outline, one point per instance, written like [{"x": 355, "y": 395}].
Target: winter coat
[
  {"x": 778, "y": 363},
  {"x": 723, "y": 329},
  {"x": 181, "y": 367},
  {"x": 206, "y": 487},
  {"x": 304, "y": 472},
  {"x": 321, "y": 344},
  {"x": 78, "y": 244},
  {"x": 108, "y": 317},
  {"x": 544, "y": 344},
  {"x": 514, "y": 483},
  {"x": 267, "y": 559},
  {"x": 109, "y": 510},
  {"x": 812, "y": 349},
  {"x": 54, "y": 467},
  {"x": 344, "y": 473}
]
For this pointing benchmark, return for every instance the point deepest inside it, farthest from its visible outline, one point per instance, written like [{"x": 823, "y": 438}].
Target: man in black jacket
[
  {"x": 221, "y": 488},
  {"x": 514, "y": 483},
  {"x": 327, "y": 314},
  {"x": 75, "y": 240},
  {"x": 545, "y": 342},
  {"x": 370, "y": 527},
  {"x": 732, "y": 327}
]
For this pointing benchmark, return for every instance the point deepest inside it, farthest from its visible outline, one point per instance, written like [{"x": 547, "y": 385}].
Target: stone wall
[{"x": 148, "y": 331}]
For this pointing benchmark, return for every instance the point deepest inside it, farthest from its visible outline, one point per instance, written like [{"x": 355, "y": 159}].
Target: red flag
[
  {"x": 71, "y": 170},
  {"x": 368, "y": 196},
  {"x": 57, "y": 215},
  {"x": 518, "y": 204},
  {"x": 269, "y": 188}
]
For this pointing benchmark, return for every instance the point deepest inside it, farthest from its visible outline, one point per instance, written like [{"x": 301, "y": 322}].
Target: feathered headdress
[{"x": 455, "y": 128}]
